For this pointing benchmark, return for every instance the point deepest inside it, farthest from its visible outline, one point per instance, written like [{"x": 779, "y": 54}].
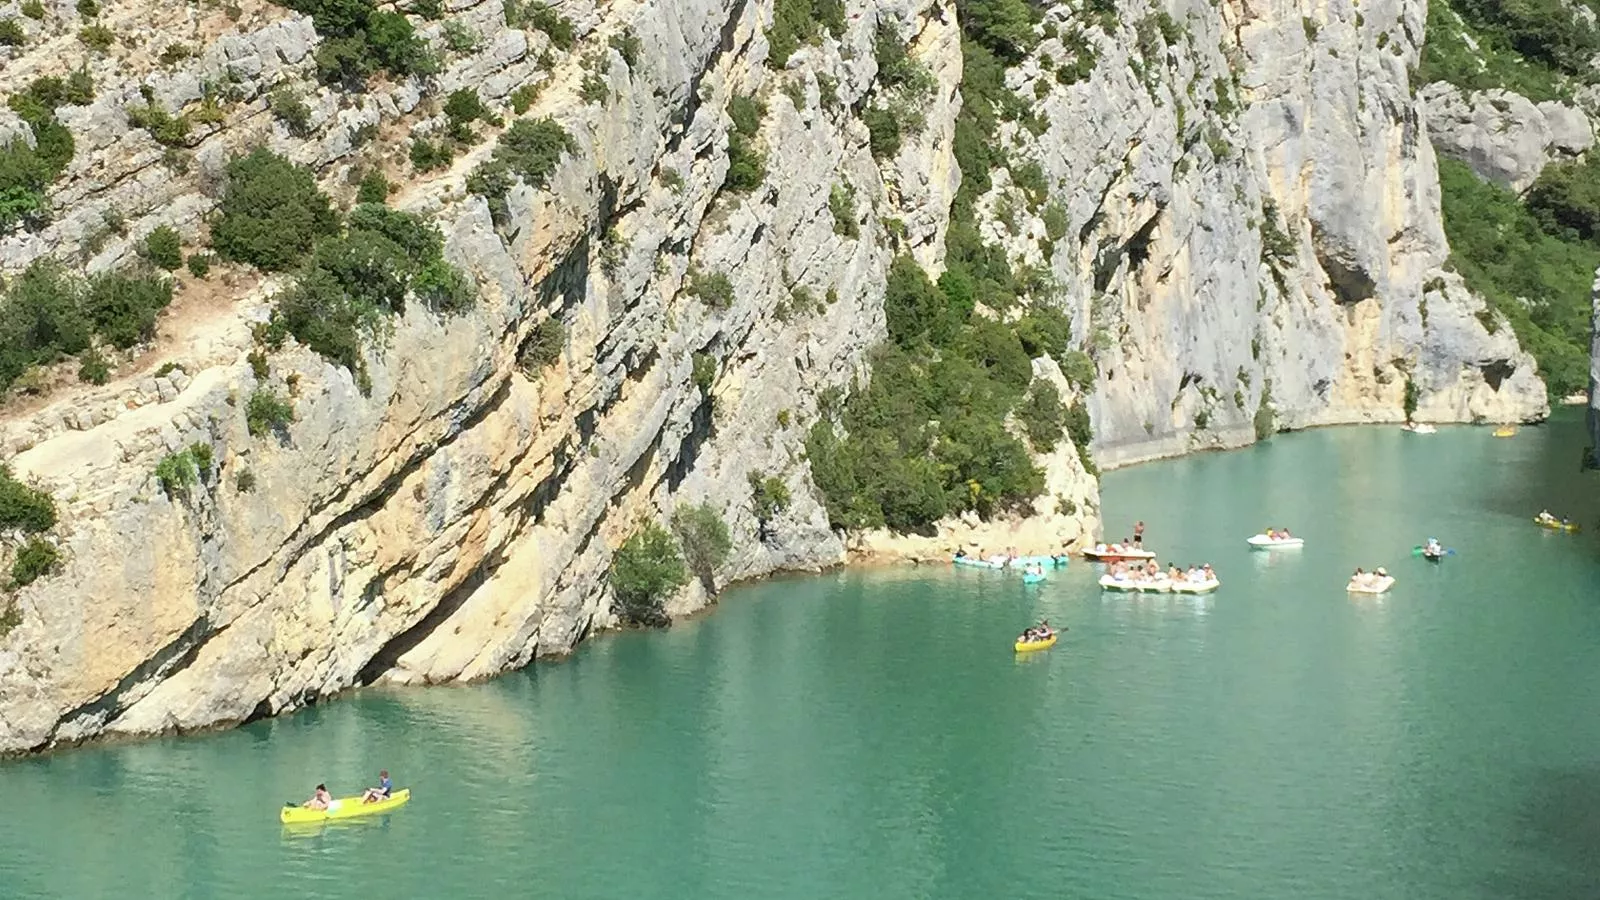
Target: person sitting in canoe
[
  {"x": 319, "y": 800},
  {"x": 1433, "y": 548},
  {"x": 1546, "y": 517},
  {"x": 382, "y": 791}
]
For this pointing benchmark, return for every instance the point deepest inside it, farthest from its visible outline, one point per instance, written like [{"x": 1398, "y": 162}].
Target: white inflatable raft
[
  {"x": 1196, "y": 587},
  {"x": 1155, "y": 586},
  {"x": 1375, "y": 587}
]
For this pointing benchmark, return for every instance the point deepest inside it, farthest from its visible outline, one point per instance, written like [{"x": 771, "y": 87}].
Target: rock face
[
  {"x": 1504, "y": 137},
  {"x": 1252, "y": 240}
]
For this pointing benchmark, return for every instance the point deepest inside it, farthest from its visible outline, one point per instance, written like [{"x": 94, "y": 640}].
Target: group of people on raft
[
  {"x": 1038, "y": 633},
  {"x": 321, "y": 799},
  {"x": 1149, "y": 572},
  {"x": 1364, "y": 579}
]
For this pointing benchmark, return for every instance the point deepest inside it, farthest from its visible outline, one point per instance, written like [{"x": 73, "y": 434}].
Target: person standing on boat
[{"x": 1138, "y": 534}]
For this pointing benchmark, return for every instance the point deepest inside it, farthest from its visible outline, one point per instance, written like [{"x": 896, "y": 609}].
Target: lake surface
[{"x": 872, "y": 734}]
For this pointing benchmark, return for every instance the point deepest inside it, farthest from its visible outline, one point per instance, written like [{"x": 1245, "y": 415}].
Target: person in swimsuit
[
  {"x": 1138, "y": 534},
  {"x": 320, "y": 799},
  {"x": 382, "y": 791}
]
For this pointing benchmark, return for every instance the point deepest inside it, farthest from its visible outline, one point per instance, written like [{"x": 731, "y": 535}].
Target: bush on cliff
[
  {"x": 48, "y": 313},
  {"x": 705, "y": 540},
  {"x": 34, "y": 560},
  {"x": 530, "y": 150},
  {"x": 644, "y": 572},
  {"x": 26, "y": 172},
  {"x": 271, "y": 212},
  {"x": 358, "y": 40},
  {"x": 24, "y": 508}
]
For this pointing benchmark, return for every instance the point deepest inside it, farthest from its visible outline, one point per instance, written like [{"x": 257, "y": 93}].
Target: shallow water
[{"x": 871, "y": 734}]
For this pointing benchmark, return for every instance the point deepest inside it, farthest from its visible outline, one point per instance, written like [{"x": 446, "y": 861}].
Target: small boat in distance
[
  {"x": 342, "y": 808},
  {"x": 1273, "y": 539},
  {"x": 1419, "y": 428},
  {"x": 1505, "y": 431},
  {"x": 1116, "y": 553},
  {"x": 1370, "y": 582}
]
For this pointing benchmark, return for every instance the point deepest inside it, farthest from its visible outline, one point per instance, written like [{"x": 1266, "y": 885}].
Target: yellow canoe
[
  {"x": 343, "y": 808},
  {"x": 1506, "y": 431},
  {"x": 1046, "y": 644},
  {"x": 1557, "y": 526}
]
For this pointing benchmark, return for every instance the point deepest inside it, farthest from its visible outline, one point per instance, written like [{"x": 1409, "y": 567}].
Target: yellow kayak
[
  {"x": 343, "y": 808},
  {"x": 1046, "y": 644},
  {"x": 1506, "y": 431},
  {"x": 1557, "y": 526}
]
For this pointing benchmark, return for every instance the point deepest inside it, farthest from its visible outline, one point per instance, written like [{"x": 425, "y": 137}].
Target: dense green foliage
[
  {"x": 358, "y": 40},
  {"x": 842, "y": 203},
  {"x": 1534, "y": 47},
  {"x": 267, "y": 411},
  {"x": 177, "y": 471},
  {"x": 353, "y": 281},
  {"x": 541, "y": 16},
  {"x": 292, "y": 111},
  {"x": 747, "y": 166},
  {"x": 644, "y": 571},
  {"x": 543, "y": 347},
  {"x": 769, "y": 497},
  {"x": 47, "y": 313},
  {"x": 24, "y": 508},
  {"x": 1566, "y": 200},
  {"x": 374, "y": 187},
  {"x": 1043, "y": 416},
  {"x": 904, "y": 88},
  {"x": 713, "y": 288},
  {"x": 1500, "y": 248},
  {"x": 34, "y": 560},
  {"x": 530, "y": 150},
  {"x": 796, "y": 22},
  {"x": 26, "y": 172},
  {"x": 705, "y": 540},
  {"x": 271, "y": 212},
  {"x": 163, "y": 248}
]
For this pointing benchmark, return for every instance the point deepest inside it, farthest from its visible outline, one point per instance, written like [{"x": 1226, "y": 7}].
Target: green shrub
[
  {"x": 10, "y": 618},
  {"x": 1081, "y": 431},
  {"x": 175, "y": 53},
  {"x": 522, "y": 98},
  {"x": 627, "y": 46},
  {"x": 459, "y": 37},
  {"x": 271, "y": 212},
  {"x": 1266, "y": 418},
  {"x": 163, "y": 248},
  {"x": 714, "y": 289},
  {"x": 842, "y": 203},
  {"x": 462, "y": 108},
  {"x": 97, "y": 37},
  {"x": 88, "y": 8},
  {"x": 769, "y": 497},
  {"x": 373, "y": 188},
  {"x": 543, "y": 347},
  {"x": 177, "y": 471},
  {"x": 92, "y": 367},
  {"x": 24, "y": 508},
  {"x": 532, "y": 148},
  {"x": 543, "y": 18},
  {"x": 26, "y": 172},
  {"x": 292, "y": 111},
  {"x": 35, "y": 559},
  {"x": 167, "y": 129},
  {"x": 703, "y": 372},
  {"x": 594, "y": 88},
  {"x": 1409, "y": 403},
  {"x": 747, "y": 167},
  {"x": 245, "y": 481},
  {"x": 11, "y": 33},
  {"x": 33, "y": 9},
  {"x": 267, "y": 411},
  {"x": 704, "y": 537},
  {"x": 47, "y": 313},
  {"x": 1276, "y": 246},
  {"x": 259, "y": 367},
  {"x": 199, "y": 264},
  {"x": 358, "y": 40},
  {"x": 1003, "y": 27},
  {"x": 797, "y": 22},
  {"x": 644, "y": 571},
  {"x": 428, "y": 155}
]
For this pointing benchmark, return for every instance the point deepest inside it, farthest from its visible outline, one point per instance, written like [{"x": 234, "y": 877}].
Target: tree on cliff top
[{"x": 271, "y": 212}]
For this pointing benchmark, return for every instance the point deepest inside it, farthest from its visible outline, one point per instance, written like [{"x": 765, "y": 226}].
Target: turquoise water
[{"x": 872, "y": 735}]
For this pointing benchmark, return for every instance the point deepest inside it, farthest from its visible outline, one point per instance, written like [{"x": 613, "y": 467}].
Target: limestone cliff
[{"x": 1242, "y": 216}]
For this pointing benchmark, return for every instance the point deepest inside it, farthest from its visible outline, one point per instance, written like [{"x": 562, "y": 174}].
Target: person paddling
[
  {"x": 382, "y": 791},
  {"x": 320, "y": 799}
]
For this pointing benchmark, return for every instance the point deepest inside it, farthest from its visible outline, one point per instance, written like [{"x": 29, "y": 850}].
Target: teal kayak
[{"x": 1031, "y": 578}]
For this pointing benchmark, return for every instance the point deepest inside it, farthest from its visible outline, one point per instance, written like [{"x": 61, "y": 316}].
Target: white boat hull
[
  {"x": 1377, "y": 587},
  {"x": 1195, "y": 587},
  {"x": 1262, "y": 542}
]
